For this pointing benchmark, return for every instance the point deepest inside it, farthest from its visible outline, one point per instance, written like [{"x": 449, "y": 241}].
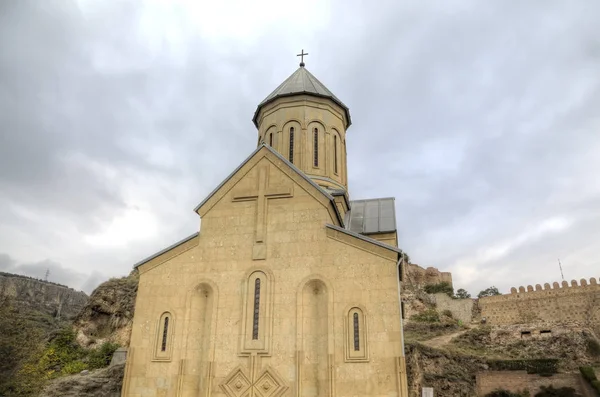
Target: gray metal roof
[
  {"x": 372, "y": 216},
  {"x": 301, "y": 82}
]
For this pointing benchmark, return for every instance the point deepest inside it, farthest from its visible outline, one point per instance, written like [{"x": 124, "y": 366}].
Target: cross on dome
[{"x": 301, "y": 55}]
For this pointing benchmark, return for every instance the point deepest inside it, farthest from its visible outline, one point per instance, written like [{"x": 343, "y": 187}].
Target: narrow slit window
[
  {"x": 335, "y": 155},
  {"x": 316, "y": 147},
  {"x": 356, "y": 333},
  {"x": 271, "y": 139},
  {"x": 256, "y": 308},
  {"x": 291, "y": 155},
  {"x": 163, "y": 346}
]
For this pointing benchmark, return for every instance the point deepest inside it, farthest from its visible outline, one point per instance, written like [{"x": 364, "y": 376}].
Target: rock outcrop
[
  {"x": 108, "y": 314},
  {"x": 105, "y": 382}
]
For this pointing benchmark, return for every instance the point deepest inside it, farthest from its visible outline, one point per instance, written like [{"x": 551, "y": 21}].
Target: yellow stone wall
[
  {"x": 304, "y": 262},
  {"x": 390, "y": 238},
  {"x": 304, "y": 113}
]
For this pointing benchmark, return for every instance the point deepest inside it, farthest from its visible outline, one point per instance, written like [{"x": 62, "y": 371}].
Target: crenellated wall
[{"x": 559, "y": 303}]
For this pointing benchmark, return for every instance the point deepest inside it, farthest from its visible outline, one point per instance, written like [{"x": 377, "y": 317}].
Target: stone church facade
[{"x": 290, "y": 288}]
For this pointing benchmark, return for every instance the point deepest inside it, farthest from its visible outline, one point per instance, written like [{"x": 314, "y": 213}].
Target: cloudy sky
[{"x": 481, "y": 118}]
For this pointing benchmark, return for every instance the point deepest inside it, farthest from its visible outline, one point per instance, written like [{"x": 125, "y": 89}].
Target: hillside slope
[{"x": 31, "y": 313}]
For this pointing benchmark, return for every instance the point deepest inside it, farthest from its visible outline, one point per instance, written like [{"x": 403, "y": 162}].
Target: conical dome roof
[{"x": 301, "y": 82}]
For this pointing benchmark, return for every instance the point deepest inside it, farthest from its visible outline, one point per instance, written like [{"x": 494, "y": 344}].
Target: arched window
[
  {"x": 164, "y": 338},
  {"x": 291, "y": 155},
  {"x": 256, "y": 315},
  {"x": 316, "y": 147},
  {"x": 335, "y": 154},
  {"x": 257, "y": 322},
  {"x": 271, "y": 139},
  {"x": 163, "y": 345},
  {"x": 356, "y": 335}
]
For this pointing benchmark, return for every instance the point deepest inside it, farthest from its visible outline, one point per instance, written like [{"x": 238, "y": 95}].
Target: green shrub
[
  {"x": 101, "y": 356},
  {"x": 447, "y": 313},
  {"x": 540, "y": 366},
  {"x": 506, "y": 393},
  {"x": 428, "y": 316},
  {"x": 550, "y": 391},
  {"x": 74, "y": 367},
  {"x": 61, "y": 351},
  {"x": 442, "y": 287},
  {"x": 588, "y": 373},
  {"x": 596, "y": 385},
  {"x": 593, "y": 347}
]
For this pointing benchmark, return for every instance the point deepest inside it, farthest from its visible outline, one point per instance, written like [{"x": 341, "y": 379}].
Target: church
[{"x": 289, "y": 288}]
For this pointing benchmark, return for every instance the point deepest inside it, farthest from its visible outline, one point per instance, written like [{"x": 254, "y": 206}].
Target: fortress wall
[
  {"x": 462, "y": 309},
  {"x": 559, "y": 303}
]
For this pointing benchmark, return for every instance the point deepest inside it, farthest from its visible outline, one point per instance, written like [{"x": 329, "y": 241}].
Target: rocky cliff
[{"x": 57, "y": 300}]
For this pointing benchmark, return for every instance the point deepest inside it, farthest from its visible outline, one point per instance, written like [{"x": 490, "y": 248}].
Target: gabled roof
[
  {"x": 286, "y": 161},
  {"x": 301, "y": 82}
]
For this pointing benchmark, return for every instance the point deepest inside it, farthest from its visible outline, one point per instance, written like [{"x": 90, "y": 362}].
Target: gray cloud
[
  {"x": 56, "y": 273},
  {"x": 480, "y": 118}
]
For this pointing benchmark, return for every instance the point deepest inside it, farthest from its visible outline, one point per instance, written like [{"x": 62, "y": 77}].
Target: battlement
[
  {"x": 538, "y": 291},
  {"x": 562, "y": 302}
]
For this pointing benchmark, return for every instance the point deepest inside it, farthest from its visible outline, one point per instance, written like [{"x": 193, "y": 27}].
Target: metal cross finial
[{"x": 301, "y": 55}]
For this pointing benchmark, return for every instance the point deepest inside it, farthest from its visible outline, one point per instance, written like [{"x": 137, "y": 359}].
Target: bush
[
  {"x": 442, "y": 287},
  {"x": 101, "y": 357},
  {"x": 506, "y": 393},
  {"x": 61, "y": 351},
  {"x": 73, "y": 367},
  {"x": 550, "y": 391},
  {"x": 593, "y": 347},
  {"x": 428, "y": 316},
  {"x": 447, "y": 313},
  {"x": 461, "y": 293},
  {"x": 588, "y": 374},
  {"x": 540, "y": 366}
]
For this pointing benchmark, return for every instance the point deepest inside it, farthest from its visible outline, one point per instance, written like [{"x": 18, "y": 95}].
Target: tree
[
  {"x": 491, "y": 291},
  {"x": 462, "y": 294}
]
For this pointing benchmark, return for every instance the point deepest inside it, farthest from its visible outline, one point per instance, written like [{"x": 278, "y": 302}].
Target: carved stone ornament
[{"x": 268, "y": 383}]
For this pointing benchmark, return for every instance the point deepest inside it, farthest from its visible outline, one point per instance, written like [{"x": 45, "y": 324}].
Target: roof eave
[
  {"x": 170, "y": 247},
  {"x": 334, "y": 100},
  {"x": 364, "y": 238}
]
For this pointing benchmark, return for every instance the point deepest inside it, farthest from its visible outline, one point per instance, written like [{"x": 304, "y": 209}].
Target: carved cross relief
[{"x": 261, "y": 194}]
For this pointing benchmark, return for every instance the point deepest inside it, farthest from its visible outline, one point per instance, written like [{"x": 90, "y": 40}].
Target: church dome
[{"x": 301, "y": 82}]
